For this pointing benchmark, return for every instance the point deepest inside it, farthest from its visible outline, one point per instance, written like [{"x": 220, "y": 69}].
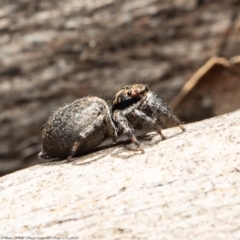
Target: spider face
[
  {"x": 134, "y": 106},
  {"x": 128, "y": 96}
]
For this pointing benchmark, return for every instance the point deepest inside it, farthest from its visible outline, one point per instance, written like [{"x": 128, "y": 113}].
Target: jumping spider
[{"x": 84, "y": 124}]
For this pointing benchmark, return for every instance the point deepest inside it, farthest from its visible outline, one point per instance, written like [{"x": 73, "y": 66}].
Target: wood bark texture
[
  {"x": 185, "y": 187},
  {"x": 52, "y": 52}
]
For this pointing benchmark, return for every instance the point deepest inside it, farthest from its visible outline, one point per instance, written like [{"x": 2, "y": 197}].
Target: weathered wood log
[{"x": 185, "y": 187}]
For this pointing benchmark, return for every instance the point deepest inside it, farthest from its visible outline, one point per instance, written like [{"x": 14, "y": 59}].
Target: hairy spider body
[
  {"x": 77, "y": 128},
  {"x": 134, "y": 107},
  {"x": 82, "y": 125}
]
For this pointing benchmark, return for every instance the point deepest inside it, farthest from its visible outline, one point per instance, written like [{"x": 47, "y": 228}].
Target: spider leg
[
  {"x": 43, "y": 155},
  {"x": 152, "y": 123},
  {"x": 158, "y": 106},
  {"x": 123, "y": 125},
  {"x": 86, "y": 132}
]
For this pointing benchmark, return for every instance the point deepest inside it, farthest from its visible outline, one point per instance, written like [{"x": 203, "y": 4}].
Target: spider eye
[{"x": 129, "y": 93}]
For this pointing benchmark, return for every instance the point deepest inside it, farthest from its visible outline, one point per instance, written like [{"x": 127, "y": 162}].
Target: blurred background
[{"x": 54, "y": 51}]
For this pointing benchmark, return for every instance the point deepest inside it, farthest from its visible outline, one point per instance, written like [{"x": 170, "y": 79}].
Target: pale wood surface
[{"x": 186, "y": 187}]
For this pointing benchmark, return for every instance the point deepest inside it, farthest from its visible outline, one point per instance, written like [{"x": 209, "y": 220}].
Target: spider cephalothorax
[
  {"x": 128, "y": 96},
  {"x": 134, "y": 106}
]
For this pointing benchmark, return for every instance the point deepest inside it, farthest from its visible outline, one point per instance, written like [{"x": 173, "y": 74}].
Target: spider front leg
[
  {"x": 122, "y": 124},
  {"x": 158, "y": 106},
  {"x": 152, "y": 123}
]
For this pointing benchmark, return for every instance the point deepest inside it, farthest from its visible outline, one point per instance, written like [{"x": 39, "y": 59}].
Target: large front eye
[
  {"x": 146, "y": 89},
  {"x": 129, "y": 93}
]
